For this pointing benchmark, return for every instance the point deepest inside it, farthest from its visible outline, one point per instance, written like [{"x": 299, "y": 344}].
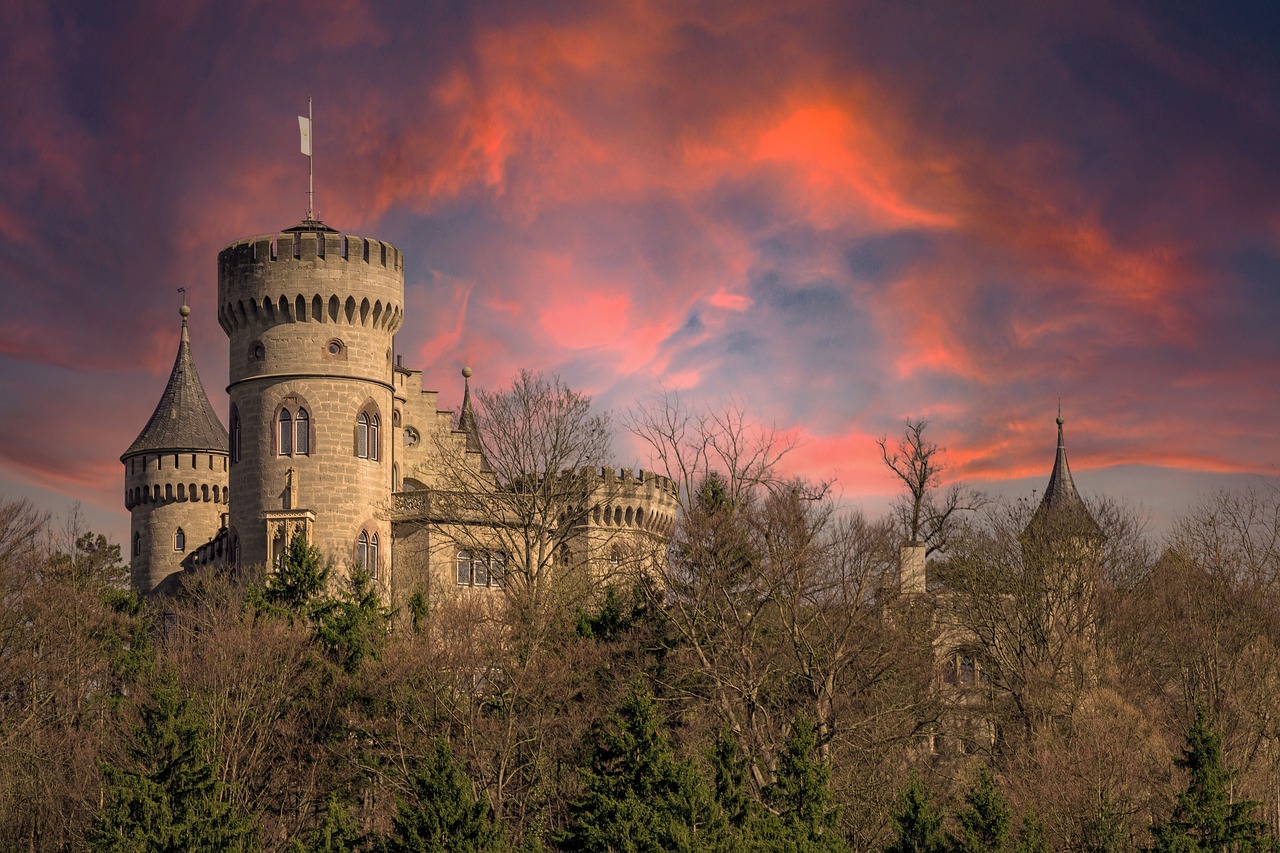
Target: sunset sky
[{"x": 838, "y": 214}]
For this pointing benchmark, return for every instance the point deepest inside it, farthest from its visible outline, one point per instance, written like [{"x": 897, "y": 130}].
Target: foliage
[
  {"x": 638, "y": 796},
  {"x": 167, "y": 797},
  {"x": 801, "y": 796},
  {"x": 301, "y": 578},
  {"x": 353, "y": 627},
  {"x": 918, "y": 824},
  {"x": 1205, "y": 818},
  {"x": 337, "y": 833},
  {"x": 444, "y": 814},
  {"x": 985, "y": 824}
]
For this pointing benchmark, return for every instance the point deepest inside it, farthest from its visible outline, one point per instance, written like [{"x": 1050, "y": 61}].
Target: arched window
[
  {"x": 464, "y": 568},
  {"x": 179, "y": 540},
  {"x": 302, "y": 426},
  {"x": 235, "y": 435},
  {"x": 367, "y": 552},
  {"x": 137, "y": 544},
  {"x": 367, "y": 435},
  {"x": 285, "y": 445}
]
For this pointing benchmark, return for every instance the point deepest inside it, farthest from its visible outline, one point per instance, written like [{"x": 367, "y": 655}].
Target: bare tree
[
  {"x": 526, "y": 496},
  {"x": 927, "y": 514}
]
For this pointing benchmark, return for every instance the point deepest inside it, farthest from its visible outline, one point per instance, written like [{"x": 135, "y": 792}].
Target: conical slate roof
[
  {"x": 183, "y": 419},
  {"x": 467, "y": 420},
  {"x": 1061, "y": 501}
]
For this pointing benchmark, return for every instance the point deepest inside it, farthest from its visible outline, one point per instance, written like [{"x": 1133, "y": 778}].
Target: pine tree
[
  {"x": 301, "y": 576},
  {"x": 729, "y": 771},
  {"x": 169, "y": 797},
  {"x": 918, "y": 822},
  {"x": 353, "y": 626},
  {"x": 445, "y": 815},
  {"x": 337, "y": 833},
  {"x": 986, "y": 821},
  {"x": 1204, "y": 817},
  {"x": 801, "y": 795},
  {"x": 638, "y": 797}
]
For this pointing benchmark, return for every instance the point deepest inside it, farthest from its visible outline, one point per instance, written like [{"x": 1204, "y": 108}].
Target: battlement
[{"x": 290, "y": 246}]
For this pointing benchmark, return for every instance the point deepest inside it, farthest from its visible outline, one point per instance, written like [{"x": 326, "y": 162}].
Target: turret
[
  {"x": 175, "y": 475},
  {"x": 311, "y": 314},
  {"x": 1062, "y": 508}
]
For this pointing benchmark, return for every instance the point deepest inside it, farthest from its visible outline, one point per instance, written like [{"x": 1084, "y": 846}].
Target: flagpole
[{"x": 311, "y": 185}]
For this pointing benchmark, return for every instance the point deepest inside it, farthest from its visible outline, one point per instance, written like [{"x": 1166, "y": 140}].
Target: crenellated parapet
[
  {"x": 318, "y": 276},
  {"x": 620, "y": 498}
]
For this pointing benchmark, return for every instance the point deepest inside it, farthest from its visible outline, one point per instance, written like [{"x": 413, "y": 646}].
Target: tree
[
  {"x": 801, "y": 795},
  {"x": 337, "y": 833},
  {"x": 1205, "y": 818},
  {"x": 522, "y": 479},
  {"x": 926, "y": 515},
  {"x": 353, "y": 626},
  {"x": 301, "y": 577},
  {"x": 638, "y": 796},
  {"x": 917, "y": 823},
  {"x": 444, "y": 814},
  {"x": 167, "y": 797},
  {"x": 985, "y": 823}
]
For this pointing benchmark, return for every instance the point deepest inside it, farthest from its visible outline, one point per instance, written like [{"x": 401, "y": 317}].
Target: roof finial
[
  {"x": 184, "y": 311},
  {"x": 1060, "y": 421}
]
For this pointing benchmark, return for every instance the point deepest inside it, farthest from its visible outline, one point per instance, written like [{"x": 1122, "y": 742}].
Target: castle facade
[{"x": 331, "y": 438}]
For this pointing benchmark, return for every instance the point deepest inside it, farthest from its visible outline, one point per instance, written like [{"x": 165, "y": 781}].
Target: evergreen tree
[
  {"x": 918, "y": 822},
  {"x": 1204, "y": 817},
  {"x": 801, "y": 795},
  {"x": 353, "y": 626},
  {"x": 337, "y": 833},
  {"x": 985, "y": 823},
  {"x": 729, "y": 770},
  {"x": 638, "y": 797},
  {"x": 445, "y": 816},
  {"x": 1031, "y": 835},
  {"x": 300, "y": 578},
  {"x": 169, "y": 798}
]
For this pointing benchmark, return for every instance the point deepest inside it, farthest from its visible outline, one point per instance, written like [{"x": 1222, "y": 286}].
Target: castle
[{"x": 331, "y": 438}]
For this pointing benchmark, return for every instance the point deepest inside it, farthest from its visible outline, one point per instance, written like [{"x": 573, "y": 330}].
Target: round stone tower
[
  {"x": 175, "y": 476},
  {"x": 310, "y": 314}
]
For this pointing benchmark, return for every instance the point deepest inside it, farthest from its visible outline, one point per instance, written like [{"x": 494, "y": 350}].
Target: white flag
[{"x": 304, "y": 126}]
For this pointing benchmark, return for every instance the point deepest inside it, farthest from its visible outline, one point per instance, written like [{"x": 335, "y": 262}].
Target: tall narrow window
[
  {"x": 464, "y": 568},
  {"x": 235, "y": 435},
  {"x": 373, "y": 436},
  {"x": 362, "y": 435},
  {"x": 367, "y": 552},
  {"x": 137, "y": 544},
  {"x": 480, "y": 569},
  {"x": 179, "y": 540},
  {"x": 286, "y": 433},
  {"x": 362, "y": 549},
  {"x": 372, "y": 564},
  {"x": 497, "y": 568},
  {"x": 302, "y": 424}
]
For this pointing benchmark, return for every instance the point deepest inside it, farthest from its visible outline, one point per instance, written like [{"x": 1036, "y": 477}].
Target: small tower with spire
[
  {"x": 1062, "y": 509},
  {"x": 175, "y": 475}
]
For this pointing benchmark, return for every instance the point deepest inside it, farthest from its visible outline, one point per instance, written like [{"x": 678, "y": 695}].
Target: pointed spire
[
  {"x": 184, "y": 418},
  {"x": 467, "y": 420},
  {"x": 1060, "y": 496}
]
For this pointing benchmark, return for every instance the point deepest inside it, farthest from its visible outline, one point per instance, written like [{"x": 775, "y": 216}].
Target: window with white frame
[
  {"x": 179, "y": 540},
  {"x": 479, "y": 567}
]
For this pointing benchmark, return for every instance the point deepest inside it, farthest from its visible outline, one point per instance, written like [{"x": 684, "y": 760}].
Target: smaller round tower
[{"x": 175, "y": 476}]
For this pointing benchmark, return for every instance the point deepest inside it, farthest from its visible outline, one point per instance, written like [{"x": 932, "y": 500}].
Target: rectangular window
[
  {"x": 480, "y": 569},
  {"x": 464, "y": 568}
]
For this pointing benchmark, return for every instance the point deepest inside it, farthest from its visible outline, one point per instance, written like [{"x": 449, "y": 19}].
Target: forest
[{"x": 775, "y": 685}]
